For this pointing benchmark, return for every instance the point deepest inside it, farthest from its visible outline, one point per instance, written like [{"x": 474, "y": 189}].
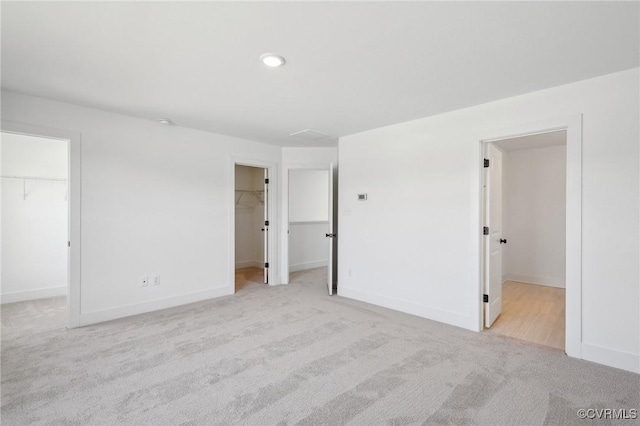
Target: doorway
[
  {"x": 35, "y": 237},
  {"x": 251, "y": 226},
  {"x": 311, "y": 225},
  {"x": 525, "y": 232}
]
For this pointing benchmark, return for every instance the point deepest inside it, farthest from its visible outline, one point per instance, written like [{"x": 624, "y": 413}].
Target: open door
[
  {"x": 331, "y": 234},
  {"x": 265, "y": 234},
  {"x": 492, "y": 234}
]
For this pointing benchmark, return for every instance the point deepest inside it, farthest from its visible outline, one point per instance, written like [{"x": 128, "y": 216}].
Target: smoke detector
[{"x": 309, "y": 135}]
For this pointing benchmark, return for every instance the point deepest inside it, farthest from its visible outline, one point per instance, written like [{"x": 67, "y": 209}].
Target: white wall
[
  {"x": 308, "y": 219},
  {"x": 249, "y": 247},
  {"x": 305, "y": 245},
  {"x": 534, "y": 211},
  {"x": 422, "y": 178},
  {"x": 308, "y": 195},
  {"x": 155, "y": 200},
  {"x": 34, "y": 230},
  {"x": 308, "y": 245}
]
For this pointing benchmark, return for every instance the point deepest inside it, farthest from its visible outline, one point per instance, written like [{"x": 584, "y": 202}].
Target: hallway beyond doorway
[{"x": 534, "y": 313}]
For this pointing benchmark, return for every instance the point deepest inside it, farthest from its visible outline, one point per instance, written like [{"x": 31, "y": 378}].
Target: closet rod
[
  {"x": 258, "y": 194},
  {"x": 26, "y": 178}
]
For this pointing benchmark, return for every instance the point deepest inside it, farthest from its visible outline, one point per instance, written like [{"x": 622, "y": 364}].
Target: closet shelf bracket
[{"x": 26, "y": 178}]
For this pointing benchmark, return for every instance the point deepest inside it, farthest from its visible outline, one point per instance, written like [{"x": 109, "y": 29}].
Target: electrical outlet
[
  {"x": 144, "y": 281},
  {"x": 156, "y": 280}
]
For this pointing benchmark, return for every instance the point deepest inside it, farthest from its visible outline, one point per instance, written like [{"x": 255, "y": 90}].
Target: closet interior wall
[
  {"x": 34, "y": 203},
  {"x": 308, "y": 219},
  {"x": 249, "y": 215}
]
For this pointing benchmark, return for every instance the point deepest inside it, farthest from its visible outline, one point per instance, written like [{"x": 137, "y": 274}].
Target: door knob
[
  {"x": 503, "y": 241},
  {"x": 330, "y": 235}
]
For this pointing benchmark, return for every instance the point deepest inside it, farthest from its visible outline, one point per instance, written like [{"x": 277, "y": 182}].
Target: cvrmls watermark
[{"x": 608, "y": 413}]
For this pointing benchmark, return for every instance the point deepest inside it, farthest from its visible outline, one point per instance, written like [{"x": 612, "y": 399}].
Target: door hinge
[
  {"x": 485, "y": 230},
  {"x": 266, "y": 180},
  {"x": 266, "y": 223},
  {"x": 485, "y": 298},
  {"x": 486, "y": 162},
  {"x": 68, "y": 243},
  {"x": 266, "y": 265}
]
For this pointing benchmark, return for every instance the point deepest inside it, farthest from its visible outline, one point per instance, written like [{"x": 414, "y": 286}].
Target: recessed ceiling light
[
  {"x": 165, "y": 121},
  {"x": 272, "y": 60}
]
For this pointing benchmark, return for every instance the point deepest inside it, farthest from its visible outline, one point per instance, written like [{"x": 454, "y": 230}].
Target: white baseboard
[
  {"x": 529, "y": 279},
  {"x": 605, "y": 356},
  {"x": 248, "y": 264},
  {"x": 447, "y": 317},
  {"x": 611, "y": 357},
  {"x": 152, "y": 305},
  {"x": 307, "y": 265},
  {"x": 39, "y": 293}
]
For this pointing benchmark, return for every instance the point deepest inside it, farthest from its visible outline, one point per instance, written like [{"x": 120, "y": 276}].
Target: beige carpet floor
[{"x": 289, "y": 355}]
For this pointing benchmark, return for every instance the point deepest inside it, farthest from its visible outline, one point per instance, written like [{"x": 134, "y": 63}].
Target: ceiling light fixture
[
  {"x": 165, "y": 121},
  {"x": 272, "y": 60}
]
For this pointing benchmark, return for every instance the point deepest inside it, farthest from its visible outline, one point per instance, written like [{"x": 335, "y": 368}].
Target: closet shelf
[
  {"x": 26, "y": 178},
  {"x": 33, "y": 178},
  {"x": 249, "y": 198}
]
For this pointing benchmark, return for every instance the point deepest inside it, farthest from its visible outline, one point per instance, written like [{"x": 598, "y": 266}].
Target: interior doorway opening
[
  {"x": 251, "y": 226},
  {"x": 35, "y": 231},
  {"x": 311, "y": 225},
  {"x": 525, "y": 237}
]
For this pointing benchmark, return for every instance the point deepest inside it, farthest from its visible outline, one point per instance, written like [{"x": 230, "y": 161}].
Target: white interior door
[
  {"x": 331, "y": 233},
  {"x": 265, "y": 234},
  {"x": 493, "y": 241}
]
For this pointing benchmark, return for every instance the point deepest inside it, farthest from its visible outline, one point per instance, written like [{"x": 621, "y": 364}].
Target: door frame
[
  {"x": 285, "y": 210},
  {"x": 573, "y": 282},
  {"x": 74, "y": 207},
  {"x": 272, "y": 204}
]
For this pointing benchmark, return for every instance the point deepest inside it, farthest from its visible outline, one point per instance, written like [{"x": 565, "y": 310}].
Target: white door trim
[
  {"x": 573, "y": 126},
  {"x": 284, "y": 259},
  {"x": 272, "y": 166},
  {"x": 74, "y": 208}
]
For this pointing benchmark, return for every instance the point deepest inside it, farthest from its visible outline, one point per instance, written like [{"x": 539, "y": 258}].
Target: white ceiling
[
  {"x": 540, "y": 140},
  {"x": 350, "y": 67}
]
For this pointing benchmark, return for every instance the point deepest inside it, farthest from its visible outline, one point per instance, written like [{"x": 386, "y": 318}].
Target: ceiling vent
[{"x": 309, "y": 135}]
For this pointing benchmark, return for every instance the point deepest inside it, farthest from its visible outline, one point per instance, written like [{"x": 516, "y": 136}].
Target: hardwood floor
[
  {"x": 246, "y": 277},
  {"x": 535, "y": 313}
]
